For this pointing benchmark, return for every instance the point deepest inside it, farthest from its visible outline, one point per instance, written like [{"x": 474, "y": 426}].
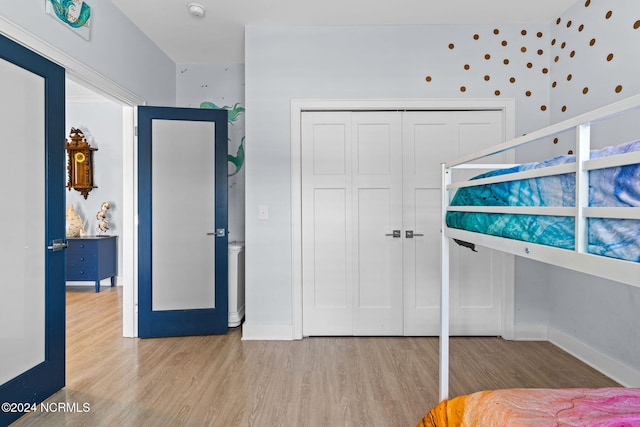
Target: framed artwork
[{"x": 74, "y": 14}]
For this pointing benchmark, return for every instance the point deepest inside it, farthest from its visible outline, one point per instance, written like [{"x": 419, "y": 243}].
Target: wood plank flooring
[{"x": 223, "y": 381}]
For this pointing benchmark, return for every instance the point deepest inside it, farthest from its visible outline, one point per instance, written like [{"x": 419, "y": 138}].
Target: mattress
[
  {"x": 610, "y": 187},
  {"x": 540, "y": 408}
]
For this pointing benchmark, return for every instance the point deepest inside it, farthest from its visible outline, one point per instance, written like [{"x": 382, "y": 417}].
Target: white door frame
[
  {"x": 87, "y": 77},
  {"x": 506, "y": 105}
]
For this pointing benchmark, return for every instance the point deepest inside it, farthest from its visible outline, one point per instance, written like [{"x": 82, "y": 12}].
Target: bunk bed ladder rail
[
  {"x": 444, "y": 289},
  {"x": 583, "y": 149}
]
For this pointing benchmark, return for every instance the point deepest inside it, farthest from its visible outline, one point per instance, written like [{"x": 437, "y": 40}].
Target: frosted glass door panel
[
  {"x": 183, "y": 203},
  {"x": 22, "y": 307}
]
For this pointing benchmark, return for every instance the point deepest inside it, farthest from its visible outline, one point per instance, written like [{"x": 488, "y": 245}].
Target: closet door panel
[{"x": 327, "y": 224}]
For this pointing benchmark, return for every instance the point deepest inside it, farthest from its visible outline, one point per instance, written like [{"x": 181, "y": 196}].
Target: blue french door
[
  {"x": 32, "y": 226},
  {"x": 182, "y": 222}
]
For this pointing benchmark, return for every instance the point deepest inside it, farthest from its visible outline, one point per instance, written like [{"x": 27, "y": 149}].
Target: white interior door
[
  {"x": 429, "y": 139},
  {"x": 366, "y": 175},
  {"x": 377, "y": 219}
]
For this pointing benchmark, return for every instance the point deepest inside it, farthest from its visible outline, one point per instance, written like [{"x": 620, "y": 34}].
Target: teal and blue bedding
[{"x": 610, "y": 187}]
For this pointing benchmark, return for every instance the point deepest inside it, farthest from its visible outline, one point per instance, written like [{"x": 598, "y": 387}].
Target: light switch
[{"x": 263, "y": 212}]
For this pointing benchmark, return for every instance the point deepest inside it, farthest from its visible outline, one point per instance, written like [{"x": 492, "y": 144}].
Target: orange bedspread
[{"x": 619, "y": 407}]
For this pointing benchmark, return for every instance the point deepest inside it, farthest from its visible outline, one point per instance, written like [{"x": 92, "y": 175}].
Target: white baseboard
[
  {"x": 267, "y": 332},
  {"x": 531, "y": 332},
  {"x": 619, "y": 372}
]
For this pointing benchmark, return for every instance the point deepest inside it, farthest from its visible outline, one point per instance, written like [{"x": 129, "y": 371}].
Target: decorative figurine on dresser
[{"x": 90, "y": 258}]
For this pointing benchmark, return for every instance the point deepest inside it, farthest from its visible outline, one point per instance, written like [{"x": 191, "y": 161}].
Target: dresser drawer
[{"x": 84, "y": 246}]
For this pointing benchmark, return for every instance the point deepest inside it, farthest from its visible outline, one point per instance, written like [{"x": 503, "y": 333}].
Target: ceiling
[{"x": 218, "y": 36}]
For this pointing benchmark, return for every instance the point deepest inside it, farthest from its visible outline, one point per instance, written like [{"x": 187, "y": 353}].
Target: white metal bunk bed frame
[{"x": 579, "y": 259}]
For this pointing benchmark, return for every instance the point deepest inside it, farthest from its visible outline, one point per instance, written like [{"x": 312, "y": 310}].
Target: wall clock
[{"x": 79, "y": 163}]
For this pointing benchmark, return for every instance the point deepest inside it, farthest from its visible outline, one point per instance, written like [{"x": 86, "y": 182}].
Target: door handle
[
  {"x": 396, "y": 234},
  {"x": 57, "y": 245},
  {"x": 220, "y": 232},
  {"x": 409, "y": 234}
]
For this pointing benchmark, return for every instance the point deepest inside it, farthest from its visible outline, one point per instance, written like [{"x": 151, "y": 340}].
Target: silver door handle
[
  {"x": 409, "y": 234},
  {"x": 396, "y": 234},
  {"x": 220, "y": 232},
  {"x": 57, "y": 245}
]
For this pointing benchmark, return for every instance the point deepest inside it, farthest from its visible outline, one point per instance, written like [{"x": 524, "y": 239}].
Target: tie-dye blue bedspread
[{"x": 611, "y": 187}]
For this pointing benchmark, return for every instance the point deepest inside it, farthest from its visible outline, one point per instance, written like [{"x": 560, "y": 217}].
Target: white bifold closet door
[{"x": 369, "y": 180}]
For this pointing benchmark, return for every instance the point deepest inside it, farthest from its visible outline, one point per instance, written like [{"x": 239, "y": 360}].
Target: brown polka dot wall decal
[
  {"x": 573, "y": 53},
  {"x": 569, "y": 77},
  {"x": 523, "y": 49},
  {"x": 558, "y": 21},
  {"x": 428, "y": 78},
  {"x": 467, "y": 66},
  {"x": 543, "y": 107},
  {"x": 487, "y": 57},
  {"x": 569, "y": 24},
  {"x": 496, "y": 31},
  {"x": 618, "y": 88},
  {"x": 539, "y": 34},
  {"x": 476, "y": 36},
  {"x": 545, "y": 70},
  {"x": 553, "y": 42},
  {"x": 585, "y": 90},
  {"x": 540, "y": 51},
  {"x": 563, "y": 45},
  {"x": 581, "y": 27},
  {"x": 556, "y": 59},
  {"x": 592, "y": 42},
  {"x": 451, "y": 46},
  {"x": 512, "y": 80},
  {"x": 528, "y": 93},
  {"x": 608, "y": 15},
  {"x": 487, "y": 78},
  {"x": 497, "y": 93},
  {"x": 587, "y": 3},
  {"x": 570, "y": 152},
  {"x": 506, "y": 61},
  {"x": 564, "y": 108},
  {"x": 554, "y": 84},
  {"x": 529, "y": 65},
  {"x": 463, "y": 89},
  {"x": 636, "y": 25},
  {"x": 609, "y": 57},
  {"x": 523, "y": 32},
  {"x": 555, "y": 140}
]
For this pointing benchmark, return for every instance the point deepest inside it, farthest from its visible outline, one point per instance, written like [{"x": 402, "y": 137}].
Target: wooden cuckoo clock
[{"x": 79, "y": 163}]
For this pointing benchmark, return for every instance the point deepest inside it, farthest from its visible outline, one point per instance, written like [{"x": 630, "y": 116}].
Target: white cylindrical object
[{"x": 236, "y": 283}]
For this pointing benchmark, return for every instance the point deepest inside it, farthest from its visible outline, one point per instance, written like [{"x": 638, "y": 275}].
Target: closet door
[
  {"x": 377, "y": 219},
  {"x": 327, "y": 230},
  {"x": 430, "y": 138},
  {"x": 351, "y": 205}
]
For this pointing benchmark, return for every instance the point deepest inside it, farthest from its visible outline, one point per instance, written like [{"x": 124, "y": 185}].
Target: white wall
[
  {"x": 598, "y": 313},
  {"x": 101, "y": 123},
  {"x": 284, "y": 63},
  {"x": 223, "y": 86},
  {"x": 117, "y": 49}
]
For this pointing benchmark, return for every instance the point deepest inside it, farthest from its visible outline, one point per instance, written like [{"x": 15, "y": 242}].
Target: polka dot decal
[{"x": 587, "y": 48}]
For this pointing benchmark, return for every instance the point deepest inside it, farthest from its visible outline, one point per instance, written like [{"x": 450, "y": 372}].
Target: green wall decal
[{"x": 233, "y": 114}]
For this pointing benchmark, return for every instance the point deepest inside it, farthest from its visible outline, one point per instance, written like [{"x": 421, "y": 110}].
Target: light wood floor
[{"x": 223, "y": 381}]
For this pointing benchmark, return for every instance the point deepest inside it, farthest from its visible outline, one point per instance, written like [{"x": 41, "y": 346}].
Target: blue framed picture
[{"x": 74, "y": 14}]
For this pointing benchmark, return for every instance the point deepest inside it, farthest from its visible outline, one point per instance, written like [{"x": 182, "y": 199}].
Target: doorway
[{"x": 504, "y": 108}]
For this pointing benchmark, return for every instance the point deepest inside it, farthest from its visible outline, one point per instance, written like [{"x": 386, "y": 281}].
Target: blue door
[
  {"x": 182, "y": 222},
  {"x": 32, "y": 226}
]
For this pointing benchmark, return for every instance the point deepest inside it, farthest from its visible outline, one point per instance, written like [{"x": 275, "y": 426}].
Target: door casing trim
[{"x": 298, "y": 106}]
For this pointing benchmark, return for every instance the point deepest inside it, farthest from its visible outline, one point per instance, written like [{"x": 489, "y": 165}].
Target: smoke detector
[{"x": 196, "y": 9}]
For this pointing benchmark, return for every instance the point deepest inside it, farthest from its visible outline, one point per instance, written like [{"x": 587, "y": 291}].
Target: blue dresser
[{"x": 92, "y": 259}]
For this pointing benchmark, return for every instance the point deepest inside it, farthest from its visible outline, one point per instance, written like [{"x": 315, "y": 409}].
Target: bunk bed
[{"x": 572, "y": 211}]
